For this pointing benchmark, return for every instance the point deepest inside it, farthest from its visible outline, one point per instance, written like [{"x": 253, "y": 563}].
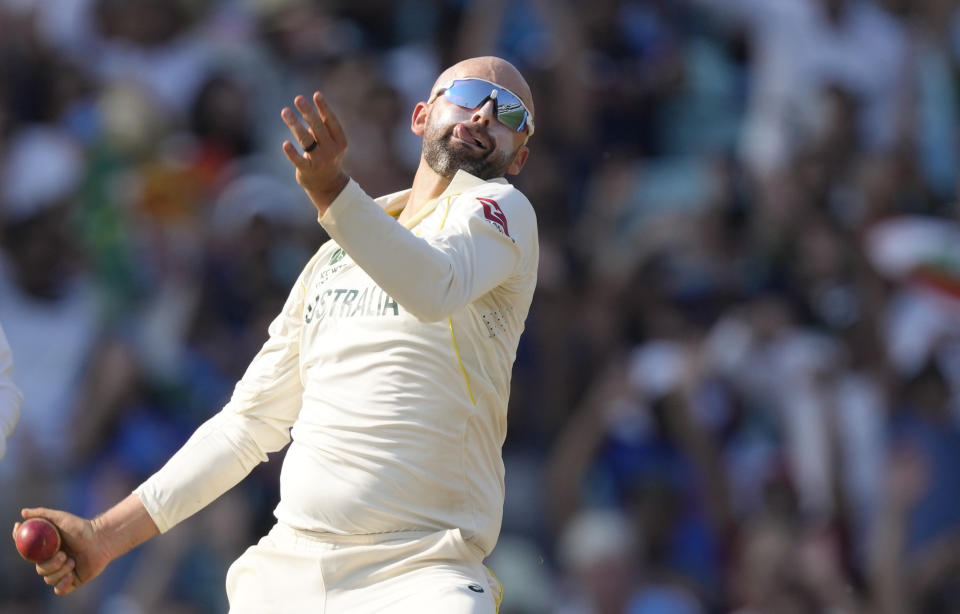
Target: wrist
[
  {"x": 123, "y": 527},
  {"x": 103, "y": 535},
  {"x": 323, "y": 197}
]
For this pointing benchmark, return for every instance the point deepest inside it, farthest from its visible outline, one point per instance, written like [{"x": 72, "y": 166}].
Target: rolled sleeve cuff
[
  {"x": 147, "y": 494},
  {"x": 350, "y": 193}
]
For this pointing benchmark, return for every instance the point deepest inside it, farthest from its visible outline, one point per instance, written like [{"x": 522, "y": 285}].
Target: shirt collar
[{"x": 461, "y": 182}]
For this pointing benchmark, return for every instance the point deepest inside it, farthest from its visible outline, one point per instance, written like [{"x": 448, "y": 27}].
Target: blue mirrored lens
[{"x": 472, "y": 93}]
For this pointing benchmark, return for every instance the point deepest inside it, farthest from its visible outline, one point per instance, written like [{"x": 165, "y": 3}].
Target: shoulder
[
  {"x": 502, "y": 191},
  {"x": 502, "y": 205}
]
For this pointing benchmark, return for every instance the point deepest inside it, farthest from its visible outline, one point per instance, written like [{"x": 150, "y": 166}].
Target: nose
[{"x": 485, "y": 113}]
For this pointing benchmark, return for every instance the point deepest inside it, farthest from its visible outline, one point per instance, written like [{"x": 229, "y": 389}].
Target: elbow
[
  {"x": 431, "y": 306},
  {"x": 435, "y": 302},
  {"x": 429, "y": 314},
  {"x": 272, "y": 436},
  {"x": 253, "y": 437}
]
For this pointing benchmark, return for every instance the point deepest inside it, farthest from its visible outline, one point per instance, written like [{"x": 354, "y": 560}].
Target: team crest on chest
[{"x": 349, "y": 299}]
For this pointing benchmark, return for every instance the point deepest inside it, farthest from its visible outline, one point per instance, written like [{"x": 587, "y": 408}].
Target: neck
[{"x": 427, "y": 185}]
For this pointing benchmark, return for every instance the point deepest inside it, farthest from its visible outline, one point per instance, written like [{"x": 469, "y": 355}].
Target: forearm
[
  {"x": 322, "y": 197},
  {"x": 220, "y": 454},
  {"x": 405, "y": 266},
  {"x": 431, "y": 277},
  {"x": 124, "y": 526}
]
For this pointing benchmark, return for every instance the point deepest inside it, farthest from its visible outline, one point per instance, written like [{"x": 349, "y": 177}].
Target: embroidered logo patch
[
  {"x": 494, "y": 214},
  {"x": 475, "y": 588},
  {"x": 337, "y": 256}
]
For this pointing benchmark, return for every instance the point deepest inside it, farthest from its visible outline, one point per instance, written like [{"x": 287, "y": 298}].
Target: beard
[{"x": 446, "y": 157}]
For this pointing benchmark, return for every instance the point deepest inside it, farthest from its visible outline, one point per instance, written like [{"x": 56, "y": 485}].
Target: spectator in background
[
  {"x": 10, "y": 396},
  {"x": 924, "y": 424},
  {"x": 811, "y": 277},
  {"x": 635, "y": 446},
  {"x": 780, "y": 570},
  {"x": 932, "y": 117},
  {"x": 603, "y": 558},
  {"x": 47, "y": 300},
  {"x": 905, "y": 578},
  {"x": 797, "y": 48},
  {"x": 599, "y": 552}
]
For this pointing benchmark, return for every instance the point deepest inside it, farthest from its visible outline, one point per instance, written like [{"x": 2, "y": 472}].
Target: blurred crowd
[{"x": 738, "y": 389}]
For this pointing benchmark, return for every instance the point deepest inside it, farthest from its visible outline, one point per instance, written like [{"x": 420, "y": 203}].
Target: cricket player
[
  {"x": 388, "y": 368},
  {"x": 10, "y": 396}
]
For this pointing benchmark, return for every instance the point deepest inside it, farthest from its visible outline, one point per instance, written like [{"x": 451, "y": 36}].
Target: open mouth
[{"x": 464, "y": 135}]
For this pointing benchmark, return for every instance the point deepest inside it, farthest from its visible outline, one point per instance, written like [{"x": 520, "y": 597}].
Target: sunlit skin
[
  {"x": 444, "y": 126},
  {"x": 89, "y": 545},
  {"x": 474, "y": 133},
  {"x": 450, "y": 144},
  {"x": 450, "y": 132}
]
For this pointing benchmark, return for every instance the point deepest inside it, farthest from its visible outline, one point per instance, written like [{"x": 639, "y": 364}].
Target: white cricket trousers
[{"x": 290, "y": 571}]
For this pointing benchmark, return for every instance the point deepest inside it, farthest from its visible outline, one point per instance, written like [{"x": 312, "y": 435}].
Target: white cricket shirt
[{"x": 391, "y": 361}]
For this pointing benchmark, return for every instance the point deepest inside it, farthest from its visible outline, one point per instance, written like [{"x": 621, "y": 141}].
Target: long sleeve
[
  {"x": 488, "y": 236},
  {"x": 256, "y": 420},
  {"x": 10, "y": 396}
]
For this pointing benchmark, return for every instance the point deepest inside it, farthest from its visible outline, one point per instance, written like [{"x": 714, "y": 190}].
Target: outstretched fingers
[
  {"x": 330, "y": 120},
  {"x": 300, "y": 133},
  {"x": 319, "y": 129},
  {"x": 323, "y": 143}
]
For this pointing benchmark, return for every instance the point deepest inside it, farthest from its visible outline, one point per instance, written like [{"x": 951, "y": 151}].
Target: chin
[{"x": 446, "y": 155}]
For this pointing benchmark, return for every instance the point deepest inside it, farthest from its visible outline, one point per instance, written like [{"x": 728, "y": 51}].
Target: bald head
[{"x": 490, "y": 68}]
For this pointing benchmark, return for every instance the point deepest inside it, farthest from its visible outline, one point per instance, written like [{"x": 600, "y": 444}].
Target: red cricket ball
[{"x": 37, "y": 539}]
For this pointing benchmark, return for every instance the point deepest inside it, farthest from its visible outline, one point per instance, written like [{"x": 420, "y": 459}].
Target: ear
[
  {"x": 518, "y": 161},
  {"x": 418, "y": 123}
]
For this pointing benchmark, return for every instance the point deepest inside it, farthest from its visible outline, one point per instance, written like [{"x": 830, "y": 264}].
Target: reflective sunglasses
[{"x": 474, "y": 93}]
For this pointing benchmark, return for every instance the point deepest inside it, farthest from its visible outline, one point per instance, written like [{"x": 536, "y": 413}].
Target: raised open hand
[{"x": 319, "y": 133}]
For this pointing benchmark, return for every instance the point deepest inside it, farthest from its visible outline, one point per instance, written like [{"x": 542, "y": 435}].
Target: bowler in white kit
[{"x": 387, "y": 372}]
